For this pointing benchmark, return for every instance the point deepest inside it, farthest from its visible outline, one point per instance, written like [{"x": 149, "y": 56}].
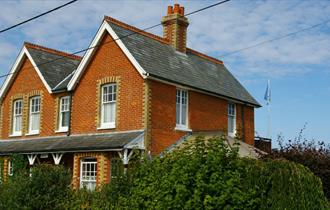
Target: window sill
[
  {"x": 106, "y": 127},
  {"x": 180, "y": 128},
  {"x": 15, "y": 135},
  {"x": 32, "y": 134},
  {"x": 63, "y": 130},
  {"x": 233, "y": 135}
]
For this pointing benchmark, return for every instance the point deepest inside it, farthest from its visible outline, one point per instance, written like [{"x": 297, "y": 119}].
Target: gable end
[
  {"x": 105, "y": 27},
  {"x": 15, "y": 69}
]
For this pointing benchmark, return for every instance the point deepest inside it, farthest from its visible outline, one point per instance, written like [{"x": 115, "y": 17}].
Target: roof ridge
[
  {"x": 205, "y": 56},
  {"x": 136, "y": 30},
  {"x": 50, "y": 50}
]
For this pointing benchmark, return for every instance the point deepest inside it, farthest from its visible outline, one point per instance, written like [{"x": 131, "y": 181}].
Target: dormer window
[
  {"x": 17, "y": 118},
  {"x": 108, "y": 106},
  {"x": 64, "y": 117},
  {"x": 34, "y": 116}
]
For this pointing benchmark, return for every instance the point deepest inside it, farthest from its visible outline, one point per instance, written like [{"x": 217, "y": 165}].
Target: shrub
[
  {"x": 201, "y": 175},
  {"x": 313, "y": 155},
  {"x": 210, "y": 175},
  {"x": 48, "y": 187},
  {"x": 281, "y": 184}
]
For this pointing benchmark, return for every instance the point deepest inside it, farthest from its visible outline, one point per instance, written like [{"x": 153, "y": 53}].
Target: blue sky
[{"x": 298, "y": 66}]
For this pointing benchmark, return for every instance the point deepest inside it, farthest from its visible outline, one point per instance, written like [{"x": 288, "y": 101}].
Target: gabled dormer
[{"x": 29, "y": 94}]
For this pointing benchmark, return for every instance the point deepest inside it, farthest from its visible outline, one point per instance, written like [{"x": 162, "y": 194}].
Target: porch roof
[{"x": 82, "y": 143}]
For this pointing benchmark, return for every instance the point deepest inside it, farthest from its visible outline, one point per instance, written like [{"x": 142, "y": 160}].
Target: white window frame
[
  {"x": 33, "y": 132},
  {"x": 61, "y": 112},
  {"x": 180, "y": 125},
  {"x": 90, "y": 181},
  {"x": 232, "y": 107},
  {"x": 10, "y": 168},
  {"x": 15, "y": 115},
  {"x": 108, "y": 125}
]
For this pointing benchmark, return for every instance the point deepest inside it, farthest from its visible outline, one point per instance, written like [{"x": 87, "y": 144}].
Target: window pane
[
  {"x": 106, "y": 112},
  {"x": 35, "y": 119},
  {"x": 184, "y": 114},
  {"x": 231, "y": 124},
  {"x": 35, "y": 105},
  {"x": 18, "y": 123},
  {"x": 65, "y": 104},
  {"x": 109, "y": 93},
  {"x": 65, "y": 119},
  {"x": 177, "y": 113},
  {"x": 231, "y": 109},
  {"x": 178, "y": 96},
  {"x": 112, "y": 112}
]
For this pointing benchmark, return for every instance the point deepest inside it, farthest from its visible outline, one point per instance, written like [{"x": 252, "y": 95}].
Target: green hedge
[
  {"x": 212, "y": 176},
  {"x": 48, "y": 188},
  {"x": 311, "y": 154},
  {"x": 202, "y": 175}
]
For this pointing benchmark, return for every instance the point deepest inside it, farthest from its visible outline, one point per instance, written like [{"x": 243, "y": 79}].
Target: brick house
[{"x": 131, "y": 90}]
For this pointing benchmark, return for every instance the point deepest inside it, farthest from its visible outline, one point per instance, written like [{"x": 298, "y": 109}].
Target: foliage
[
  {"x": 1, "y": 169},
  {"x": 47, "y": 187},
  {"x": 281, "y": 184},
  {"x": 201, "y": 175},
  {"x": 210, "y": 175},
  {"x": 19, "y": 164},
  {"x": 313, "y": 155}
]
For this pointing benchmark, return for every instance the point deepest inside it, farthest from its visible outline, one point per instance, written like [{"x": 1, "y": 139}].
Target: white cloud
[{"x": 217, "y": 31}]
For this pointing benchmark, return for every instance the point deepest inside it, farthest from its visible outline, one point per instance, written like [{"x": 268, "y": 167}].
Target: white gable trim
[
  {"x": 16, "y": 67},
  {"x": 88, "y": 55}
]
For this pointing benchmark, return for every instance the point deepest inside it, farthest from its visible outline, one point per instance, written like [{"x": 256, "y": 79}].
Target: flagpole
[{"x": 269, "y": 127}]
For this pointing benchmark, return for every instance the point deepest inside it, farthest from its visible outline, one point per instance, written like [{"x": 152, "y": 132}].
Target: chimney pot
[
  {"x": 176, "y": 8},
  {"x": 182, "y": 11},
  {"x": 175, "y": 27},
  {"x": 169, "y": 10}
]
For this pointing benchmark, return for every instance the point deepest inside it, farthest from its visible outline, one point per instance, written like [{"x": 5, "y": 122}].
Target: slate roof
[
  {"x": 54, "y": 67},
  {"x": 160, "y": 60},
  {"x": 94, "y": 142}
]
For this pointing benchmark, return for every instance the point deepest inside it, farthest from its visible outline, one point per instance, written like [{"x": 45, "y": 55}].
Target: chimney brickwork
[{"x": 175, "y": 27}]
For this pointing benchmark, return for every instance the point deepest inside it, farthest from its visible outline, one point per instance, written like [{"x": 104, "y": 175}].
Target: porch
[{"x": 90, "y": 157}]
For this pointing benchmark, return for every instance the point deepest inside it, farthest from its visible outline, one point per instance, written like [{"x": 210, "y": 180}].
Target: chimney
[{"x": 175, "y": 27}]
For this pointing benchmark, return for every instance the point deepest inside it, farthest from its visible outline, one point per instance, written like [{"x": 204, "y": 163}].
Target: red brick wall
[
  {"x": 26, "y": 81},
  {"x": 249, "y": 125},
  {"x": 108, "y": 61},
  {"x": 162, "y": 105},
  {"x": 245, "y": 131},
  {"x": 206, "y": 113}
]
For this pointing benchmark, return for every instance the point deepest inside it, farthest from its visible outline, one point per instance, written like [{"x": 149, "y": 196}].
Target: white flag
[{"x": 268, "y": 93}]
